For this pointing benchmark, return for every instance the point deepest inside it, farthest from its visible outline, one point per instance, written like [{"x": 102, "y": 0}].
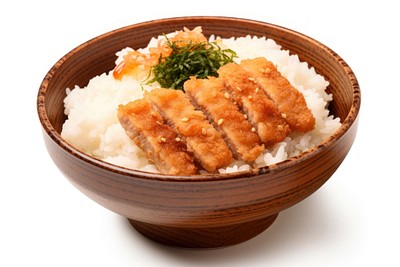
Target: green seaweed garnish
[{"x": 193, "y": 59}]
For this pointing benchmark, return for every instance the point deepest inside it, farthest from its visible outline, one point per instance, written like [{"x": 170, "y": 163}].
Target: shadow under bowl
[{"x": 201, "y": 211}]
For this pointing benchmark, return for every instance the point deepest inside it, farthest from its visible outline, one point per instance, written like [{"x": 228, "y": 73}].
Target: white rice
[{"x": 92, "y": 125}]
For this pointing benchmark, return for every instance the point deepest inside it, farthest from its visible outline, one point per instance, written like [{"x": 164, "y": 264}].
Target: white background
[{"x": 351, "y": 221}]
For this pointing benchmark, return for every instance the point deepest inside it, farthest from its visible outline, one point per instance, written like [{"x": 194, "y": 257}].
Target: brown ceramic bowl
[{"x": 203, "y": 210}]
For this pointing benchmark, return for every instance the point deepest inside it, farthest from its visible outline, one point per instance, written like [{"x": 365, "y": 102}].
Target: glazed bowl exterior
[{"x": 202, "y": 210}]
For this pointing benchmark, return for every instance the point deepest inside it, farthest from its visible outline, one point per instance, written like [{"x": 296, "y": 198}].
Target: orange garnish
[{"x": 132, "y": 60}]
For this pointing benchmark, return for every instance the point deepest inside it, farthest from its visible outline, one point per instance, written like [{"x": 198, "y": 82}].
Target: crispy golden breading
[
  {"x": 248, "y": 107},
  {"x": 262, "y": 112},
  {"x": 201, "y": 138},
  {"x": 289, "y": 100},
  {"x": 162, "y": 145},
  {"x": 212, "y": 98}
]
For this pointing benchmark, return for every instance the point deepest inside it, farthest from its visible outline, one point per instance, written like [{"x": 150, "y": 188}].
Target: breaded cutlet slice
[
  {"x": 261, "y": 111},
  {"x": 202, "y": 139},
  {"x": 212, "y": 98},
  {"x": 160, "y": 142},
  {"x": 289, "y": 100}
]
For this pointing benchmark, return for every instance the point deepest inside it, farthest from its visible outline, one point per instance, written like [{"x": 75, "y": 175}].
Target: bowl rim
[{"x": 47, "y": 127}]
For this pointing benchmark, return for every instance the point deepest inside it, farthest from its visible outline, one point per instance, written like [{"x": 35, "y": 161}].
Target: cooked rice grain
[{"x": 92, "y": 125}]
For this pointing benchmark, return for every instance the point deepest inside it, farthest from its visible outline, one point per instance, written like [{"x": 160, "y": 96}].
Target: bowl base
[{"x": 204, "y": 237}]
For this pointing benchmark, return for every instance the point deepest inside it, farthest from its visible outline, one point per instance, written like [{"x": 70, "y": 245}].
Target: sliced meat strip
[
  {"x": 212, "y": 98},
  {"x": 205, "y": 142},
  {"x": 160, "y": 142},
  {"x": 289, "y": 100},
  {"x": 262, "y": 112}
]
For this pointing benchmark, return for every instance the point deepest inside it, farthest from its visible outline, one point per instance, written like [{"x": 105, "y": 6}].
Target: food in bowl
[
  {"x": 276, "y": 103},
  {"x": 204, "y": 210}
]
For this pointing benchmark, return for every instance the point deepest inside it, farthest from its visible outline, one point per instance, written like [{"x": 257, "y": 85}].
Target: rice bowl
[{"x": 198, "y": 211}]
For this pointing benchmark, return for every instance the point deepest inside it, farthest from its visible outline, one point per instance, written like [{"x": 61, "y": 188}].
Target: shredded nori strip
[{"x": 193, "y": 59}]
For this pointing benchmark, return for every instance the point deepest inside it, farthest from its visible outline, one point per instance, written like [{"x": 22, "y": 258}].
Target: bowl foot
[{"x": 207, "y": 237}]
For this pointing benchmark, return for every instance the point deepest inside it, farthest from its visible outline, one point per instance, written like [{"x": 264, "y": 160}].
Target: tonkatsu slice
[
  {"x": 289, "y": 100},
  {"x": 202, "y": 139},
  {"x": 160, "y": 142},
  {"x": 212, "y": 98},
  {"x": 261, "y": 111}
]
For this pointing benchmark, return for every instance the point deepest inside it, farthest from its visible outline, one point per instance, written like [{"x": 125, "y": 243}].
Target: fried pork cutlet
[
  {"x": 212, "y": 98},
  {"x": 289, "y": 100},
  {"x": 262, "y": 112},
  {"x": 159, "y": 141},
  {"x": 201, "y": 138}
]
